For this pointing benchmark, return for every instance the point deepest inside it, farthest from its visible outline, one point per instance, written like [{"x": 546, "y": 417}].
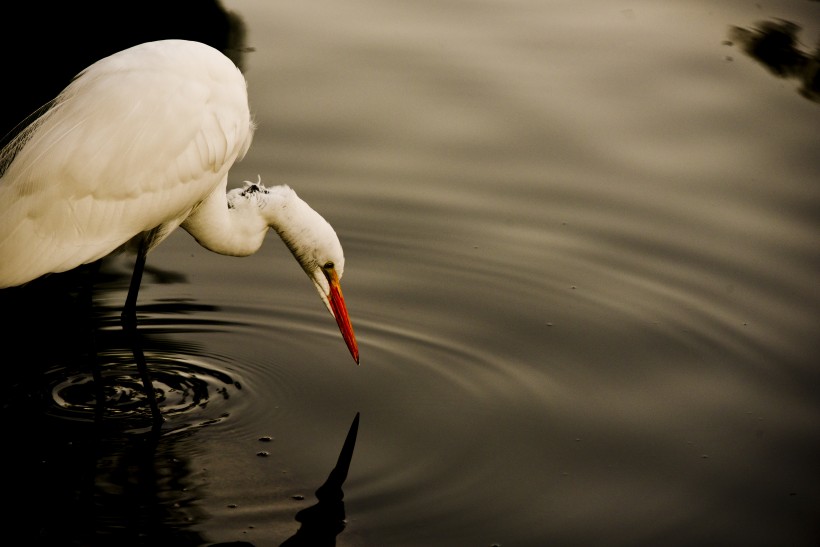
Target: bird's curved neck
[{"x": 235, "y": 223}]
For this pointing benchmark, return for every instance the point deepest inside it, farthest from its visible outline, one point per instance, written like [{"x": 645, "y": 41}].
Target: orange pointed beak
[{"x": 337, "y": 306}]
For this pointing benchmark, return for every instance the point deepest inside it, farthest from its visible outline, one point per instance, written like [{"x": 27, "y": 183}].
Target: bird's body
[
  {"x": 92, "y": 175},
  {"x": 137, "y": 145}
]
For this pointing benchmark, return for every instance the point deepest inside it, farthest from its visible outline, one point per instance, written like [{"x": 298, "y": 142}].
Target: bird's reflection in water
[{"x": 320, "y": 523}]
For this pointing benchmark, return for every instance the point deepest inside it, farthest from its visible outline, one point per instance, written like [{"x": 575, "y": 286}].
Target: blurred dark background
[{"x": 45, "y": 46}]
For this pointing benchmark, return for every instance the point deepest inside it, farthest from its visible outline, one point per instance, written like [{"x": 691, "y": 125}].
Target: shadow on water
[{"x": 776, "y": 46}]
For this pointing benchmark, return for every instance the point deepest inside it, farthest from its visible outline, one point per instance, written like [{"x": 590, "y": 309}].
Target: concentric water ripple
[{"x": 189, "y": 390}]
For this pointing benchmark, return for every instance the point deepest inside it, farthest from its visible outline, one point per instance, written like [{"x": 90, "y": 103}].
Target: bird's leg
[
  {"x": 129, "y": 325},
  {"x": 129, "y": 311}
]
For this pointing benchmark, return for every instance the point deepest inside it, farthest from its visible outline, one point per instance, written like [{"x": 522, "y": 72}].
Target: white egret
[{"x": 138, "y": 144}]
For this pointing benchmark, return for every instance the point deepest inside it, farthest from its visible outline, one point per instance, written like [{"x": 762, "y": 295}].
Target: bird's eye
[{"x": 328, "y": 265}]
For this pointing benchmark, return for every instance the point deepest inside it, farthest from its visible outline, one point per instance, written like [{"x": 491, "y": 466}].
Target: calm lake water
[{"x": 582, "y": 264}]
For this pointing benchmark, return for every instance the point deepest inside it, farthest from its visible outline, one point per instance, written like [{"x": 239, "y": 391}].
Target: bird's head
[
  {"x": 326, "y": 279},
  {"x": 318, "y": 250}
]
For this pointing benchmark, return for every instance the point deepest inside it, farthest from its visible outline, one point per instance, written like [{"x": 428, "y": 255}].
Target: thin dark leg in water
[
  {"x": 129, "y": 325},
  {"x": 129, "y": 312}
]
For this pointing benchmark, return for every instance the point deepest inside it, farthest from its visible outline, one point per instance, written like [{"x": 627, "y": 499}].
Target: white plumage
[{"x": 138, "y": 144}]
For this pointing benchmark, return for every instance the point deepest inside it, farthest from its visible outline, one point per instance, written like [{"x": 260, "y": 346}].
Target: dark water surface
[{"x": 582, "y": 264}]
